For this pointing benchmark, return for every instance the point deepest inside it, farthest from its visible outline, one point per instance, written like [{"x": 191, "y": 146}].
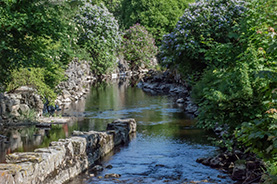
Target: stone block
[{"x": 24, "y": 157}]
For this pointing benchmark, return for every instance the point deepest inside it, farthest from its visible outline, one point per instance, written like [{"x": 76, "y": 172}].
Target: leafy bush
[
  {"x": 35, "y": 33},
  {"x": 228, "y": 96},
  {"x": 32, "y": 77},
  {"x": 138, "y": 46},
  {"x": 206, "y": 35},
  {"x": 158, "y": 16},
  {"x": 101, "y": 35},
  {"x": 260, "y": 135}
]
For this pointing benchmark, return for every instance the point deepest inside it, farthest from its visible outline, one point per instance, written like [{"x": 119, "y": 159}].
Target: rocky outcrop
[
  {"x": 18, "y": 104},
  {"x": 169, "y": 83},
  {"x": 124, "y": 69},
  {"x": 66, "y": 158},
  {"x": 79, "y": 79},
  {"x": 244, "y": 168}
]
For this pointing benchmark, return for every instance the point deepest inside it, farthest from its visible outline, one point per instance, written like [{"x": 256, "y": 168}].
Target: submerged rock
[
  {"x": 180, "y": 100},
  {"x": 243, "y": 167},
  {"x": 97, "y": 168},
  {"x": 112, "y": 175},
  {"x": 109, "y": 166}
]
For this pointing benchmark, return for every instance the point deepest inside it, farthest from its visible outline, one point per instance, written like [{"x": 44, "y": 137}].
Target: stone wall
[
  {"x": 66, "y": 158},
  {"x": 79, "y": 79}
]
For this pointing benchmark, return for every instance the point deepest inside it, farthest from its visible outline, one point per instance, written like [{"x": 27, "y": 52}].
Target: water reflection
[
  {"x": 166, "y": 144},
  {"x": 25, "y": 139},
  {"x": 164, "y": 149}
]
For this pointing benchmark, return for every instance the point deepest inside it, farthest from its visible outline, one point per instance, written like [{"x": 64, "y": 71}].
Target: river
[{"x": 164, "y": 149}]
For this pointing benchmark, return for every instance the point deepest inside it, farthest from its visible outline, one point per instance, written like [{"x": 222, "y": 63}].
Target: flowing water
[{"x": 164, "y": 149}]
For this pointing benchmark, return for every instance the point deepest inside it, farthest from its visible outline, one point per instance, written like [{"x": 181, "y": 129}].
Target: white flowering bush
[
  {"x": 101, "y": 36},
  {"x": 205, "y": 26}
]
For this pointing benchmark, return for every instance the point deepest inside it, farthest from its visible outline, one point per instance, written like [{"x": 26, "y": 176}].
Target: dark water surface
[{"x": 163, "y": 150}]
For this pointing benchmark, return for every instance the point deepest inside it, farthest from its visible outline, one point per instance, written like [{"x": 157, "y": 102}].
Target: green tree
[
  {"x": 114, "y": 6},
  {"x": 138, "y": 46},
  {"x": 100, "y": 37},
  {"x": 36, "y": 33},
  {"x": 159, "y": 17}
]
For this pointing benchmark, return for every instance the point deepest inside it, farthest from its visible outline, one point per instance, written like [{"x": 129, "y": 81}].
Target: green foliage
[
  {"x": 205, "y": 36},
  {"x": 29, "y": 116},
  {"x": 32, "y": 77},
  {"x": 36, "y": 34},
  {"x": 261, "y": 136},
  {"x": 238, "y": 88},
  {"x": 101, "y": 36},
  {"x": 271, "y": 176},
  {"x": 138, "y": 46},
  {"x": 159, "y": 17},
  {"x": 227, "y": 96},
  {"x": 114, "y": 6}
]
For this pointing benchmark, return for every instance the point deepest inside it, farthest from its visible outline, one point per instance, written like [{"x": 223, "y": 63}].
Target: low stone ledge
[
  {"x": 58, "y": 120},
  {"x": 66, "y": 158}
]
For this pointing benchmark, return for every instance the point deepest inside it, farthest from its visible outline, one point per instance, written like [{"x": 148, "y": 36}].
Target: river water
[{"x": 164, "y": 149}]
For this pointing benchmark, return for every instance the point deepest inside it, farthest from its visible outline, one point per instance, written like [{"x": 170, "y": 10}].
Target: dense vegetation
[
  {"x": 138, "y": 46},
  {"x": 35, "y": 34},
  {"x": 226, "y": 50},
  {"x": 100, "y": 36},
  {"x": 39, "y": 38},
  {"x": 159, "y": 17}
]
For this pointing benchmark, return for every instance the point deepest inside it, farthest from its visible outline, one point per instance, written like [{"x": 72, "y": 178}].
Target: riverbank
[
  {"x": 240, "y": 166},
  {"x": 24, "y": 106},
  {"x": 169, "y": 83},
  {"x": 154, "y": 85}
]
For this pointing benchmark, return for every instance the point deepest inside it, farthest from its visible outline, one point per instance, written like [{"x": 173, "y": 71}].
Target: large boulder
[{"x": 20, "y": 102}]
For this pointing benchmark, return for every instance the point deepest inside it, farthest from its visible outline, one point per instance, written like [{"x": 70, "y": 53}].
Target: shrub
[
  {"x": 35, "y": 78},
  {"x": 101, "y": 35},
  {"x": 228, "y": 96},
  {"x": 242, "y": 93},
  {"x": 260, "y": 135},
  {"x": 205, "y": 35},
  {"x": 157, "y": 16},
  {"x": 138, "y": 46}
]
